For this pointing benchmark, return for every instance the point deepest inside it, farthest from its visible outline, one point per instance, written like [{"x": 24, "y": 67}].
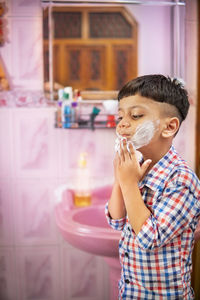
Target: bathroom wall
[{"x": 35, "y": 158}]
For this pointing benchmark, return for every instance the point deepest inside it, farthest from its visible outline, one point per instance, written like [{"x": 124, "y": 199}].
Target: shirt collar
[{"x": 157, "y": 177}]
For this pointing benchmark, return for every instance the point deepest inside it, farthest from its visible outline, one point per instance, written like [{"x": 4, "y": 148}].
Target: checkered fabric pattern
[{"x": 156, "y": 263}]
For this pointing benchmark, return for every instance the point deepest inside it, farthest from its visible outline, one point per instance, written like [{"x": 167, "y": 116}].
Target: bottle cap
[{"x": 74, "y": 104}]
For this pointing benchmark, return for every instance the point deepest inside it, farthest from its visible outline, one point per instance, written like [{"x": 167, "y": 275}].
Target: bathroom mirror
[{"x": 97, "y": 48}]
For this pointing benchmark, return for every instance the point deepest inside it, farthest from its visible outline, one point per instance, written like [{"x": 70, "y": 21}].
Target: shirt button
[
  {"x": 127, "y": 281},
  {"x": 126, "y": 254}
]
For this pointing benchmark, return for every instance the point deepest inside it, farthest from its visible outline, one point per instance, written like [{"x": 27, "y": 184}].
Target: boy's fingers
[
  {"x": 121, "y": 153},
  {"x": 145, "y": 165},
  {"x": 132, "y": 152},
  {"x": 131, "y": 148},
  {"x": 125, "y": 149}
]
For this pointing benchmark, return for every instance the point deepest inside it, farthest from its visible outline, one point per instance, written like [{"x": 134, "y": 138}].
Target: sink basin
[{"x": 87, "y": 229}]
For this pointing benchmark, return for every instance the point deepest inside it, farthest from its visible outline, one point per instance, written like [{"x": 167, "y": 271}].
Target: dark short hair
[{"x": 159, "y": 88}]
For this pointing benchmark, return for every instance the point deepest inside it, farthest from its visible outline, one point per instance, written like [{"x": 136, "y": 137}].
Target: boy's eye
[
  {"x": 135, "y": 117},
  {"x": 119, "y": 119}
]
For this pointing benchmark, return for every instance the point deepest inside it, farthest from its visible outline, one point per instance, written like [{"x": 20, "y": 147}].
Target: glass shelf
[
  {"x": 89, "y": 126},
  {"x": 89, "y": 121}
]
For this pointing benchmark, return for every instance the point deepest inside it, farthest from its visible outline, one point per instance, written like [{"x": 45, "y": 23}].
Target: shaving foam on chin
[
  {"x": 119, "y": 141},
  {"x": 142, "y": 137}
]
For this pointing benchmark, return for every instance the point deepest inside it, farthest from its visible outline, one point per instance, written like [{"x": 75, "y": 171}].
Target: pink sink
[{"x": 87, "y": 229}]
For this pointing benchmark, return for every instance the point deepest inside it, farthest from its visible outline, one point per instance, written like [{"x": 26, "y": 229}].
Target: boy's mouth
[
  {"x": 124, "y": 135},
  {"x": 127, "y": 136}
]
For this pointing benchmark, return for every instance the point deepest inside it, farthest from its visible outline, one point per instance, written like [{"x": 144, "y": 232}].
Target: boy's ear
[{"x": 171, "y": 126}]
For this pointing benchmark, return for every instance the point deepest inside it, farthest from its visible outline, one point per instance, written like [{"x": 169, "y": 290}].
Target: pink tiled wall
[{"x": 35, "y": 159}]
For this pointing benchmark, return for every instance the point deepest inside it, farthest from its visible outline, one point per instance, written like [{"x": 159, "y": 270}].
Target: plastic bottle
[
  {"x": 58, "y": 114},
  {"x": 66, "y": 111},
  {"x": 60, "y": 94},
  {"x": 74, "y": 114},
  {"x": 82, "y": 193},
  {"x": 79, "y": 97},
  {"x": 68, "y": 90}
]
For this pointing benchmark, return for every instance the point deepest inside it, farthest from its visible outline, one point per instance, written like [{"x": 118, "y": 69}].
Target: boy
[{"x": 156, "y": 203}]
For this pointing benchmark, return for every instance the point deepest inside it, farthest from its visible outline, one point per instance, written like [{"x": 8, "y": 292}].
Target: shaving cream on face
[
  {"x": 144, "y": 134},
  {"x": 118, "y": 142},
  {"x": 142, "y": 137}
]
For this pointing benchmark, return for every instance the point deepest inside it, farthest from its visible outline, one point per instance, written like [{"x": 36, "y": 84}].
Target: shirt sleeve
[
  {"x": 176, "y": 210},
  {"x": 115, "y": 224}
]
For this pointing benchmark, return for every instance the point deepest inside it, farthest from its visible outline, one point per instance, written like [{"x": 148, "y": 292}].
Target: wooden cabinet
[{"x": 93, "y": 48}]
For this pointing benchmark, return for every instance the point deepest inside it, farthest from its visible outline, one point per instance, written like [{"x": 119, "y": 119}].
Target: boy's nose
[{"x": 124, "y": 123}]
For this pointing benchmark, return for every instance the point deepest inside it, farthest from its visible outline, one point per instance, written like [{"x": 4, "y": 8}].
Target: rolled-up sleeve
[
  {"x": 115, "y": 224},
  {"x": 175, "y": 212}
]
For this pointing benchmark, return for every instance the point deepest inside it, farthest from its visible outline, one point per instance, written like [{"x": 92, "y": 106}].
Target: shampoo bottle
[
  {"x": 66, "y": 111},
  {"x": 74, "y": 114},
  {"x": 82, "y": 193}
]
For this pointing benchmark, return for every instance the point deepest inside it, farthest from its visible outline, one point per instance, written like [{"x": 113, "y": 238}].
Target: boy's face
[{"x": 139, "y": 119}]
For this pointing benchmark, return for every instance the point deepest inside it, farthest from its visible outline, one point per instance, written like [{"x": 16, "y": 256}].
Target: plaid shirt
[{"x": 156, "y": 263}]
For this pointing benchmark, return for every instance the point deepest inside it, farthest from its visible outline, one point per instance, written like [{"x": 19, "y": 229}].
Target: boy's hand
[
  {"x": 115, "y": 164},
  {"x": 128, "y": 169}
]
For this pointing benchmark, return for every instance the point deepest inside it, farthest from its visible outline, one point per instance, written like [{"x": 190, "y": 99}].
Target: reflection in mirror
[
  {"x": 93, "y": 48},
  {"x": 97, "y": 48}
]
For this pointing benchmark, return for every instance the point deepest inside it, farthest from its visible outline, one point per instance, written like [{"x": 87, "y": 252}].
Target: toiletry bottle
[
  {"x": 68, "y": 90},
  {"x": 58, "y": 114},
  {"x": 60, "y": 94},
  {"x": 74, "y": 114},
  {"x": 82, "y": 194},
  {"x": 66, "y": 111},
  {"x": 79, "y": 97},
  {"x": 110, "y": 121}
]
